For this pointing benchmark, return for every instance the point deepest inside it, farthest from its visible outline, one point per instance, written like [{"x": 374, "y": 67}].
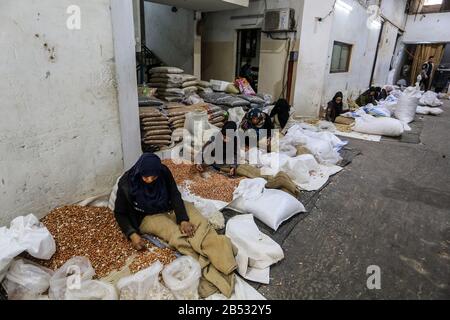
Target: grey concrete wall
[
  {"x": 431, "y": 27},
  {"x": 219, "y": 45},
  {"x": 170, "y": 35},
  {"x": 60, "y": 138}
]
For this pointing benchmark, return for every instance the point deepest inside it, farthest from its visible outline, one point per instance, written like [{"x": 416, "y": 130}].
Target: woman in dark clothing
[
  {"x": 221, "y": 142},
  {"x": 281, "y": 111},
  {"x": 148, "y": 189},
  {"x": 259, "y": 122},
  {"x": 335, "y": 107},
  {"x": 367, "y": 97}
]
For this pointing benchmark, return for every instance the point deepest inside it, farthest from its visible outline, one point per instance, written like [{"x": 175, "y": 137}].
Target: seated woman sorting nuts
[{"x": 149, "y": 202}]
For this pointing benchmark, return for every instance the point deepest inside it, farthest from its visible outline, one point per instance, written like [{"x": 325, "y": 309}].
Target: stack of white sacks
[
  {"x": 392, "y": 115},
  {"x": 172, "y": 84}
]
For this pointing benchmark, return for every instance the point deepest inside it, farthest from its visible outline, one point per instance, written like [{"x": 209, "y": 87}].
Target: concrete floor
[{"x": 390, "y": 208}]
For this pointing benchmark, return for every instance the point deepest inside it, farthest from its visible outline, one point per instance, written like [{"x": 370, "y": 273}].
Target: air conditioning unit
[{"x": 279, "y": 20}]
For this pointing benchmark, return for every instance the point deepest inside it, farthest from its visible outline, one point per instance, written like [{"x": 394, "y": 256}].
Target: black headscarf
[
  {"x": 282, "y": 109},
  {"x": 335, "y": 109},
  {"x": 229, "y": 125},
  {"x": 149, "y": 198},
  {"x": 338, "y": 94}
]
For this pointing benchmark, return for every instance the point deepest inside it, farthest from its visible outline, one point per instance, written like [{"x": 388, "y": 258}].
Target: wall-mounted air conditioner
[{"x": 279, "y": 20}]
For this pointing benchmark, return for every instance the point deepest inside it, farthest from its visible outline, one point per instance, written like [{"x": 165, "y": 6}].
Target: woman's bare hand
[
  {"x": 187, "y": 229},
  {"x": 137, "y": 242}
]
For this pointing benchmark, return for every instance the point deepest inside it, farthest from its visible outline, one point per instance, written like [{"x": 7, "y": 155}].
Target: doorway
[{"x": 248, "y": 55}]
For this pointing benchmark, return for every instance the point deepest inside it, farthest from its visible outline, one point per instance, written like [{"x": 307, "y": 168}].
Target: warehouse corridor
[{"x": 385, "y": 209}]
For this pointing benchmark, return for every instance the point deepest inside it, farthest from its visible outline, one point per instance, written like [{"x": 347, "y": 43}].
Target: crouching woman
[{"x": 149, "y": 202}]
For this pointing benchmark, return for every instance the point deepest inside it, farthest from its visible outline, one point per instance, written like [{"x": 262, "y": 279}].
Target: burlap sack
[
  {"x": 301, "y": 150},
  {"x": 344, "y": 120},
  {"x": 172, "y": 70},
  {"x": 189, "y": 84}
]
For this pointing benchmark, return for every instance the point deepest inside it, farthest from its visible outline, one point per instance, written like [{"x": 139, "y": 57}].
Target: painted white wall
[
  {"x": 352, "y": 28},
  {"x": 125, "y": 62},
  {"x": 395, "y": 10},
  {"x": 385, "y": 54},
  {"x": 315, "y": 84},
  {"x": 395, "y": 13},
  {"x": 313, "y": 52},
  {"x": 60, "y": 138},
  {"x": 170, "y": 35},
  {"x": 433, "y": 27},
  {"x": 219, "y": 40}
]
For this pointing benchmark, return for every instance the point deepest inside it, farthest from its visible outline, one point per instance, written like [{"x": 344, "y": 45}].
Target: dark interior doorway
[{"x": 248, "y": 55}]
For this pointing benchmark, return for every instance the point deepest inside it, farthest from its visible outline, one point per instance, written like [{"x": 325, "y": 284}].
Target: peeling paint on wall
[{"x": 59, "y": 143}]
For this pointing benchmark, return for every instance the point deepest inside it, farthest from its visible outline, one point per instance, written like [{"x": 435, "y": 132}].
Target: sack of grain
[
  {"x": 173, "y": 99},
  {"x": 177, "y": 82},
  {"x": 182, "y": 277},
  {"x": 159, "y": 132},
  {"x": 171, "y": 91},
  {"x": 174, "y": 105},
  {"x": 344, "y": 120},
  {"x": 192, "y": 83},
  {"x": 166, "y": 76},
  {"x": 189, "y": 90},
  {"x": 158, "y": 137},
  {"x": 162, "y": 85},
  {"x": 216, "y": 114},
  {"x": 217, "y": 120},
  {"x": 177, "y": 118},
  {"x": 171, "y": 70},
  {"x": 157, "y": 142},
  {"x": 188, "y": 77},
  {"x": 204, "y": 84}
]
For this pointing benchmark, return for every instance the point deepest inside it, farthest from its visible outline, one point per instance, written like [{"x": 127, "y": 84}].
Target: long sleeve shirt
[
  {"x": 129, "y": 217},
  {"x": 212, "y": 146}
]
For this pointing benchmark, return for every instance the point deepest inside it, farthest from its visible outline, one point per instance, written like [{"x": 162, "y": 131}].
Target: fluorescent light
[
  {"x": 344, "y": 6},
  {"x": 376, "y": 24},
  {"x": 432, "y": 2}
]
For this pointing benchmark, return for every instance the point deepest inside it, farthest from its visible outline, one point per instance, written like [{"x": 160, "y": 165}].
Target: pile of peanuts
[
  {"x": 209, "y": 185},
  {"x": 93, "y": 233},
  {"x": 146, "y": 258}
]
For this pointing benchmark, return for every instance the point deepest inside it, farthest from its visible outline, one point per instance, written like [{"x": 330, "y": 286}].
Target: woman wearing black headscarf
[
  {"x": 222, "y": 143},
  {"x": 148, "y": 189},
  {"x": 335, "y": 107},
  {"x": 280, "y": 113},
  {"x": 148, "y": 202}
]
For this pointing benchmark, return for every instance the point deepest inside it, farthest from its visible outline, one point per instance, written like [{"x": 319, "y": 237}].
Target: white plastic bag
[
  {"x": 26, "y": 280},
  {"x": 326, "y": 126},
  {"x": 236, "y": 115},
  {"x": 428, "y": 110},
  {"x": 113, "y": 196},
  {"x": 33, "y": 236},
  {"x": 92, "y": 290},
  {"x": 144, "y": 285},
  {"x": 182, "y": 277},
  {"x": 9, "y": 248},
  {"x": 431, "y": 99},
  {"x": 272, "y": 207},
  {"x": 26, "y": 233},
  {"x": 70, "y": 275},
  {"x": 323, "y": 145},
  {"x": 405, "y": 110},
  {"x": 210, "y": 209},
  {"x": 379, "y": 126},
  {"x": 256, "y": 251}
]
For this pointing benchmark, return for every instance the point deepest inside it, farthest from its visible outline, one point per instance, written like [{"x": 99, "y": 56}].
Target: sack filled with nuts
[
  {"x": 144, "y": 285},
  {"x": 182, "y": 277}
]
